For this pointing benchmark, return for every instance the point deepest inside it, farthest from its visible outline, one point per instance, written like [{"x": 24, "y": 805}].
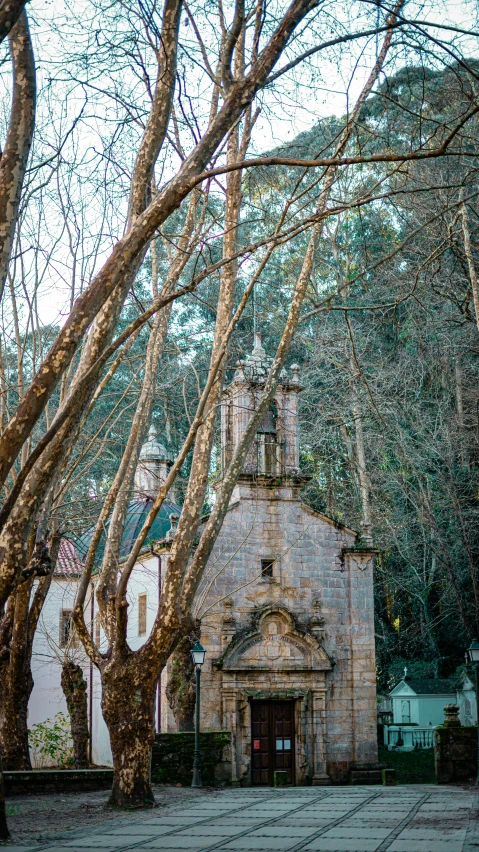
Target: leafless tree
[{"x": 42, "y": 430}]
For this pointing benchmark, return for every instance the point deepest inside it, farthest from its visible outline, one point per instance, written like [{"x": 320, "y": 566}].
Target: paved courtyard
[{"x": 354, "y": 819}]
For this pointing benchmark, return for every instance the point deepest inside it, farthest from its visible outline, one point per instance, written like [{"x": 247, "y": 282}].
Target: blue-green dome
[{"x": 137, "y": 511}]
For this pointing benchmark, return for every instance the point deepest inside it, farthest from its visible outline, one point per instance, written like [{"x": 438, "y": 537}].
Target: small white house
[
  {"x": 418, "y": 706},
  {"x": 421, "y": 702}
]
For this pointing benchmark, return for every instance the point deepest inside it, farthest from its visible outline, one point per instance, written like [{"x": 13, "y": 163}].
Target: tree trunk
[
  {"x": 74, "y": 689},
  {"x": 13, "y": 162},
  {"x": 181, "y": 687},
  {"x": 16, "y": 754},
  {"x": 17, "y": 687},
  {"x": 16, "y": 669},
  {"x": 128, "y": 707}
]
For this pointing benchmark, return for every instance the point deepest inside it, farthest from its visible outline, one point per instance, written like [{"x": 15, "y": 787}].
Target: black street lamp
[
  {"x": 198, "y": 655},
  {"x": 473, "y": 654}
]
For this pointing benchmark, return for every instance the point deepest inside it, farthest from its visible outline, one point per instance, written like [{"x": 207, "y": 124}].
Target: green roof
[
  {"x": 430, "y": 686},
  {"x": 135, "y": 517}
]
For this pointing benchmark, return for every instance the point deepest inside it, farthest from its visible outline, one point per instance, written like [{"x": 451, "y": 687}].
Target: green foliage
[{"x": 52, "y": 743}]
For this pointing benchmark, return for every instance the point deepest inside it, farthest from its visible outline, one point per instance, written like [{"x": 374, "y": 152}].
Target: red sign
[{"x": 256, "y": 745}]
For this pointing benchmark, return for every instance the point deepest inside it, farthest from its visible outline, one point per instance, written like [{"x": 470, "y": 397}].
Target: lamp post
[
  {"x": 473, "y": 654},
  {"x": 198, "y": 655}
]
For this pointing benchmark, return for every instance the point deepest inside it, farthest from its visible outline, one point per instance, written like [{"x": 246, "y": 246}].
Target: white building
[
  {"x": 53, "y": 640},
  {"x": 418, "y": 706},
  {"x": 421, "y": 701}
]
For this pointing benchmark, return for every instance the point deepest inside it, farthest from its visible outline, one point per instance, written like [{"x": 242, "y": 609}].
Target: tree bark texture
[
  {"x": 16, "y": 753},
  {"x": 74, "y": 688},
  {"x": 13, "y": 162},
  {"x": 17, "y": 689},
  {"x": 181, "y": 687},
  {"x": 10, "y": 11},
  {"x": 128, "y": 706},
  {"x": 20, "y": 624}
]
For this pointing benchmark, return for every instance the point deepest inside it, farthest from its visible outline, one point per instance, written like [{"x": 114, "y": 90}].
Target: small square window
[{"x": 267, "y": 567}]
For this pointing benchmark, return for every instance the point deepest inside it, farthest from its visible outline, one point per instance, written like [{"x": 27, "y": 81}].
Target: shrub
[{"x": 51, "y": 742}]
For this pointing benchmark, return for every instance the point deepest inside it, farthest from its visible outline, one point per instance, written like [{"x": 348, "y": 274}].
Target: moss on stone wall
[
  {"x": 172, "y": 758},
  {"x": 455, "y": 753}
]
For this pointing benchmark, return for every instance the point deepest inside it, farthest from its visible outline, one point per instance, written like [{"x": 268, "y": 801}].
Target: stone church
[{"x": 286, "y": 609}]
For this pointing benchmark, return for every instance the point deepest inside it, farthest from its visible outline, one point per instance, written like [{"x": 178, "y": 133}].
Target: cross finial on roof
[{"x": 405, "y": 672}]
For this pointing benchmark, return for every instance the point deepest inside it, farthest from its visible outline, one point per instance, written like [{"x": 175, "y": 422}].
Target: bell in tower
[{"x": 269, "y": 449}]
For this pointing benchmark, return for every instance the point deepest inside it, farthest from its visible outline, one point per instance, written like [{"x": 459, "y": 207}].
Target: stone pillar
[
  {"x": 318, "y": 710},
  {"x": 230, "y": 715},
  {"x": 359, "y": 564}
]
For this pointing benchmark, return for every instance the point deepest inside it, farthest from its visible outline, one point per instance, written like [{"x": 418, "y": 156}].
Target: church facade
[
  {"x": 287, "y": 613},
  {"x": 285, "y": 604}
]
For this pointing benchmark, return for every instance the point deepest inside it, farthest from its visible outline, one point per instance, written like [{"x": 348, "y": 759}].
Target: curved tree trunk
[
  {"x": 74, "y": 688},
  {"x": 128, "y": 707},
  {"x": 14, "y": 157}
]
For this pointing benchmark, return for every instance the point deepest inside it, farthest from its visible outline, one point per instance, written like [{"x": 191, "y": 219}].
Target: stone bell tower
[
  {"x": 274, "y": 453},
  {"x": 153, "y": 466}
]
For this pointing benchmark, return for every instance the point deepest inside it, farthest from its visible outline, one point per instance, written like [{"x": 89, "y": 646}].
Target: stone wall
[
  {"x": 455, "y": 753},
  {"x": 318, "y": 576},
  {"x": 172, "y": 758},
  {"x": 56, "y": 781}
]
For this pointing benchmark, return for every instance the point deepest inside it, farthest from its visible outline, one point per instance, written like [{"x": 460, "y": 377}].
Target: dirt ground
[{"x": 37, "y": 818}]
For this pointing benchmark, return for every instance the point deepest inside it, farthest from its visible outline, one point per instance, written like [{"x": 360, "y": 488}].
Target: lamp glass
[
  {"x": 198, "y": 653},
  {"x": 473, "y": 651}
]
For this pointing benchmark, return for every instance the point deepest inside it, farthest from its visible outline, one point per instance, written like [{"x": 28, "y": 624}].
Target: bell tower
[
  {"x": 153, "y": 466},
  {"x": 274, "y": 453}
]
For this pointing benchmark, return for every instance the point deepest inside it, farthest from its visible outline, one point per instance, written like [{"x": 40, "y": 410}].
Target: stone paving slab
[{"x": 333, "y": 819}]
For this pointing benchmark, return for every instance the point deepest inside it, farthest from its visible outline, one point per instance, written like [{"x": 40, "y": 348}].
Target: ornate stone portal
[
  {"x": 286, "y": 607},
  {"x": 276, "y": 661}
]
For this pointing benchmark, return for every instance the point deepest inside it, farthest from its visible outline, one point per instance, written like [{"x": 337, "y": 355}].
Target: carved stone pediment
[{"x": 274, "y": 644}]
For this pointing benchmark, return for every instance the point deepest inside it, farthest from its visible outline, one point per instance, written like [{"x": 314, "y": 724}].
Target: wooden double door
[{"x": 272, "y": 741}]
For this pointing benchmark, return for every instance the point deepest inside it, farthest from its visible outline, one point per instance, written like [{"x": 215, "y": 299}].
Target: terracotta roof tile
[{"x": 68, "y": 561}]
